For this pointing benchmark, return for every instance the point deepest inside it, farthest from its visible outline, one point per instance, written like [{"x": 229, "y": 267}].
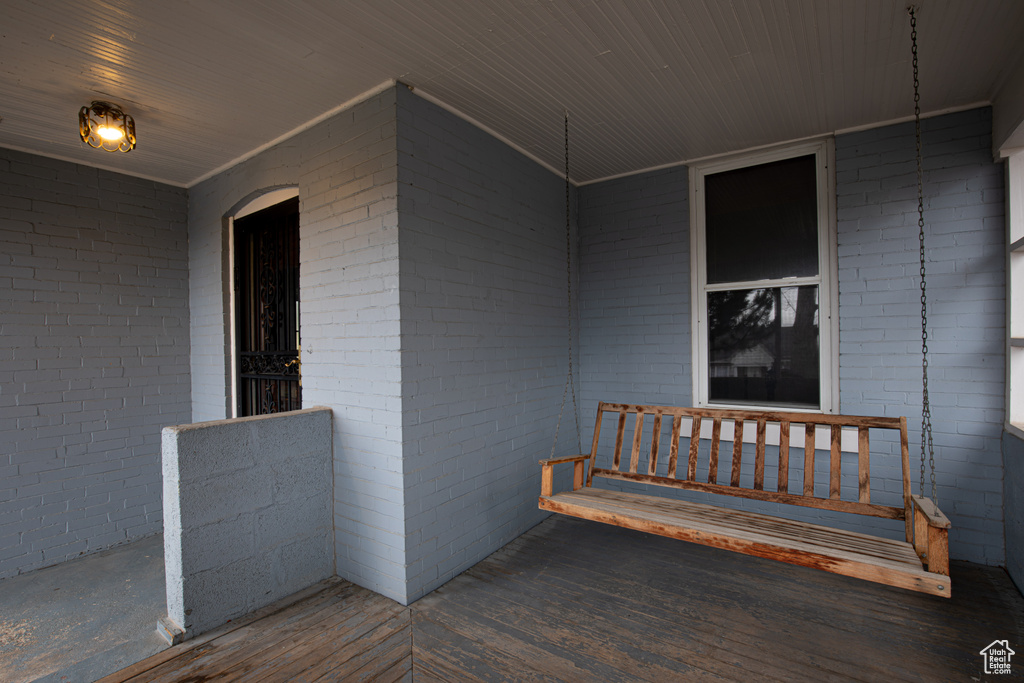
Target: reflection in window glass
[
  {"x": 762, "y": 221},
  {"x": 763, "y": 346}
]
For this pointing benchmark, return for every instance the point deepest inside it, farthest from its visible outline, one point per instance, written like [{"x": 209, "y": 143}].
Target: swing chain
[
  {"x": 570, "y": 383},
  {"x": 926, "y": 411},
  {"x": 568, "y": 280}
]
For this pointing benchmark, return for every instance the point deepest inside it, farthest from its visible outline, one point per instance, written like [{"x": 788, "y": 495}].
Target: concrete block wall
[
  {"x": 94, "y": 361},
  {"x": 484, "y": 350},
  {"x": 879, "y": 307},
  {"x": 623, "y": 337},
  {"x": 345, "y": 171},
  {"x": 248, "y": 514}
]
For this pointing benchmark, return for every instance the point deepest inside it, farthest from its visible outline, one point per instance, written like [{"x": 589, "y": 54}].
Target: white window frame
[
  {"x": 1015, "y": 293},
  {"x": 826, "y": 280}
]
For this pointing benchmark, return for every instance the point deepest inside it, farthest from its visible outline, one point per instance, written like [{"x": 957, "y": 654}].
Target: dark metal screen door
[{"x": 267, "y": 302}]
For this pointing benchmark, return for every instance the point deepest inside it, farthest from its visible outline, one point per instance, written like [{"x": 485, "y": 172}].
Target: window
[
  {"x": 1015, "y": 293},
  {"x": 763, "y": 269}
]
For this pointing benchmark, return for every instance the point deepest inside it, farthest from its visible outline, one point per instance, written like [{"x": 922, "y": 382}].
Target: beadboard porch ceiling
[{"x": 647, "y": 82}]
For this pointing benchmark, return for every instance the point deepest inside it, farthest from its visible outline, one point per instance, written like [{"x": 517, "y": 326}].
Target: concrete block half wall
[{"x": 247, "y": 516}]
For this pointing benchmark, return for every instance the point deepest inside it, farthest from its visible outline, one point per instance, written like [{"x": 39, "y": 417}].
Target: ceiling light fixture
[{"x": 104, "y": 126}]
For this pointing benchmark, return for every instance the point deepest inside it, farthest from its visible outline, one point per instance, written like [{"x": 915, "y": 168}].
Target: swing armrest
[
  {"x": 931, "y": 512},
  {"x": 547, "y": 474},
  {"x": 565, "y": 458},
  {"x": 931, "y": 535}
]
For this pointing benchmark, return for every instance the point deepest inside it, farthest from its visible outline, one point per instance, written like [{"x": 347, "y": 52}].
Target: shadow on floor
[{"x": 81, "y": 620}]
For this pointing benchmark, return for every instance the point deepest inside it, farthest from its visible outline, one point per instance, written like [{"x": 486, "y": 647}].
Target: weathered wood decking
[
  {"x": 333, "y": 631},
  {"x": 578, "y": 601}
]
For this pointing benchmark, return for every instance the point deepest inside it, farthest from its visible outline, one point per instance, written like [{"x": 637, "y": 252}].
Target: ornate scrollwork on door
[
  {"x": 286, "y": 364},
  {"x": 267, "y": 290},
  {"x": 268, "y": 268}
]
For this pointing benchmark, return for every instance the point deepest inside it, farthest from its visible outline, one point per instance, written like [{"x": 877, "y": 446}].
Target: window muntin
[{"x": 763, "y": 262}]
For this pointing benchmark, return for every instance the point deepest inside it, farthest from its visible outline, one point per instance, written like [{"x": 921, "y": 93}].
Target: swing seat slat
[{"x": 919, "y": 563}]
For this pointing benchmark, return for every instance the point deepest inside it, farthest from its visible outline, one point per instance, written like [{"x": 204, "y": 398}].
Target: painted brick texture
[
  {"x": 635, "y": 291},
  {"x": 350, "y": 307},
  {"x": 635, "y": 317},
  {"x": 345, "y": 171},
  {"x": 470, "y": 321},
  {"x": 484, "y": 350},
  {"x": 94, "y": 361},
  {"x": 879, "y": 308}
]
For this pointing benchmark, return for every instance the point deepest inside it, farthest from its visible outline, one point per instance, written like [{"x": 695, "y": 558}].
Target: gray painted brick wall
[
  {"x": 879, "y": 311},
  {"x": 432, "y": 479},
  {"x": 94, "y": 360},
  {"x": 635, "y": 291},
  {"x": 350, "y": 328},
  {"x": 484, "y": 350},
  {"x": 344, "y": 169},
  {"x": 635, "y": 316},
  {"x": 209, "y": 205}
]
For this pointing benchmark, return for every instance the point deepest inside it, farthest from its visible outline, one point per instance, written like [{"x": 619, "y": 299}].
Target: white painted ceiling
[{"x": 646, "y": 82}]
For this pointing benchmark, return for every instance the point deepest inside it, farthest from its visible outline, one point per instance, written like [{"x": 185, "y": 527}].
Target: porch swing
[{"x": 919, "y": 563}]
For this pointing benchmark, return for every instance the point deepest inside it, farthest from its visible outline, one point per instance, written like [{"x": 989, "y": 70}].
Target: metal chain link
[
  {"x": 568, "y": 280},
  {"x": 570, "y": 381},
  {"x": 926, "y": 409}
]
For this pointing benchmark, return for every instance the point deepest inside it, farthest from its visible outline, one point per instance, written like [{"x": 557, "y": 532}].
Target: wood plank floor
[
  {"x": 334, "y": 631},
  {"x": 573, "y": 600}
]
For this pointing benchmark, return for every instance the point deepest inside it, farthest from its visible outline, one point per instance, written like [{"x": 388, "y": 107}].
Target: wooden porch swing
[{"x": 919, "y": 563}]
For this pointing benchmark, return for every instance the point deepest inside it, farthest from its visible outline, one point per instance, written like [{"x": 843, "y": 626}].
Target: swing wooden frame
[{"x": 919, "y": 563}]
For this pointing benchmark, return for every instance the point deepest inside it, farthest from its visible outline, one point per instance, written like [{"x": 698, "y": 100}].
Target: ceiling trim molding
[
  {"x": 362, "y": 97},
  {"x": 490, "y": 131},
  {"x": 905, "y": 119},
  {"x": 99, "y": 167},
  {"x": 758, "y": 148}
]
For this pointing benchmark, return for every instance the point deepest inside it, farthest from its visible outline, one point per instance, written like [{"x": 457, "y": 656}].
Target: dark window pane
[
  {"x": 763, "y": 346},
  {"x": 762, "y": 221}
]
